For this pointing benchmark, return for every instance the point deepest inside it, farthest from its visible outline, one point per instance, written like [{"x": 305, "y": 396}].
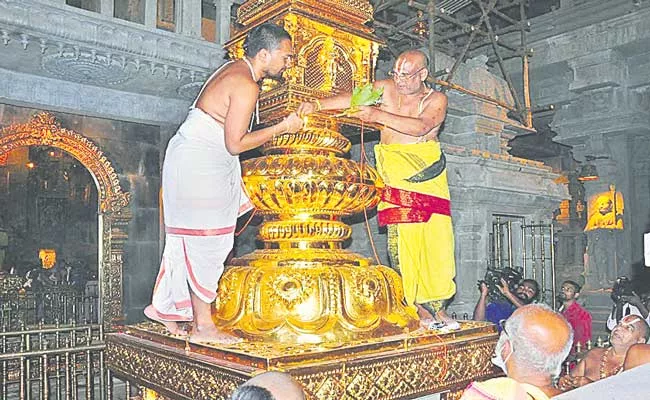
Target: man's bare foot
[
  {"x": 426, "y": 322},
  {"x": 210, "y": 334},
  {"x": 172, "y": 326},
  {"x": 423, "y": 313},
  {"x": 448, "y": 321}
]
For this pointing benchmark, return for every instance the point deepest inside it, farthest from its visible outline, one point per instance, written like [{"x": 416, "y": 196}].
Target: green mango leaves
[{"x": 365, "y": 95}]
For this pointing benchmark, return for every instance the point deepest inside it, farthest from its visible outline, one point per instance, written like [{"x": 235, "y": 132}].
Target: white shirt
[{"x": 628, "y": 309}]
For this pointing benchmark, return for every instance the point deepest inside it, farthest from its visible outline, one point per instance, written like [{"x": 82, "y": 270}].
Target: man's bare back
[{"x": 234, "y": 77}]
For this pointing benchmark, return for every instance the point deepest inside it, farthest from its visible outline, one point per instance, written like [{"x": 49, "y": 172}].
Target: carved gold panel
[
  {"x": 403, "y": 366},
  {"x": 328, "y": 58}
]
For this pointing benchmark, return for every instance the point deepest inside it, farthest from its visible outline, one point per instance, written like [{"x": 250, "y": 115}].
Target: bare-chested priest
[
  {"x": 600, "y": 363},
  {"x": 202, "y": 186},
  {"x": 415, "y": 203}
]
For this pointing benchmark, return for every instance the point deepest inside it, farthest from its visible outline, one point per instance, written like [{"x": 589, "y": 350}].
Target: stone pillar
[
  {"x": 107, "y": 7},
  {"x": 150, "y": 13},
  {"x": 188, "y": 17},
  {"x": 4, "y": 242},
  {"x": 222, "y": 20},
  {"x": 598, "y": 124},
  {"x": 607, "y": 254}
]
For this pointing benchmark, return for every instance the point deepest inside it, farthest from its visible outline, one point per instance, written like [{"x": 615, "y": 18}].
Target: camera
[
  {"x": 493, "y": 282},
  {"x": 623, "y": 287}
]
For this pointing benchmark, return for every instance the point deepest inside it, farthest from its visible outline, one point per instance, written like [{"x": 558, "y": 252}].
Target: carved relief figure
[
  {"x": 330, "y": 61},
  {"x": 605, "y": 211}
]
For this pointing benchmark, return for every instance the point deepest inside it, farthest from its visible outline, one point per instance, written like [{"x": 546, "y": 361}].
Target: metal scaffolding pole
[
  {"x": 488, "y": 25},
  {"x": 528, "y": 115},
  {"x": 432, "y": 35},
  {"x": 445, "y": 25}
]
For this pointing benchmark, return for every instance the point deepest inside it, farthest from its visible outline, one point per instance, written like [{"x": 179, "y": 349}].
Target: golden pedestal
[
  {"x": 303, "y": 287},
  {"x": 404, "y": 366},
  {"x": 333, "y": 319}
]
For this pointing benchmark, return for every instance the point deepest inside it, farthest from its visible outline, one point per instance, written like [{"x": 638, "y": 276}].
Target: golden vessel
[{"x": 303, "y": 287}]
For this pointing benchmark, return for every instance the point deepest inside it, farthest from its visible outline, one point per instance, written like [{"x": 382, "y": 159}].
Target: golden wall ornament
[
  {"x": 114, "y": 214},
  {"x": 605, "y": 210},
  {"x": 303, "y": 287},
  {"x": 47, "y": 257}
]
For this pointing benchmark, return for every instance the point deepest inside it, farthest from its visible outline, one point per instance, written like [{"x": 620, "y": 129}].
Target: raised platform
[{"x": 404, "y": 366}]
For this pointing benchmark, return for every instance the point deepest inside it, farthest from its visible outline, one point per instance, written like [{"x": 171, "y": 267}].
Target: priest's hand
[
  {"x": 307, "y": 107},
  {"x": 366, "y": 113},
  {"x": 294, "y": 123}
]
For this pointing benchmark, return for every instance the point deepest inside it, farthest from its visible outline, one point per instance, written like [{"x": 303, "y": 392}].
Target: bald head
[
  {"x": 269, "y": 386},
  {"x": 416, "y": 57},
  {"x": 541, "y": 338},
  {"x": 640, "y": 324}
]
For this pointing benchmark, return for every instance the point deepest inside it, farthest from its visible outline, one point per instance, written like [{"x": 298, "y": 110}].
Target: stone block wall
[{"x": 591, "y": 60}]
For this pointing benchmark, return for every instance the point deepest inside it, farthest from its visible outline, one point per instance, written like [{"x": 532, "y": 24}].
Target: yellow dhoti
[{"x": 421, "y": 240}]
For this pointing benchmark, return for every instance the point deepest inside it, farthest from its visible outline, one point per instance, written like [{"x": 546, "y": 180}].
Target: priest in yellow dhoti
[
  {"x": 415, "y": 201},
  {"x": 417, "y": 215}
]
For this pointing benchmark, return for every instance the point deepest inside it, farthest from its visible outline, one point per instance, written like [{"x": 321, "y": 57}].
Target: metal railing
[
  {"x": 48, "y": 308},
  {"x": 528, "y": 248},
  {"x": 57, "y": 362}
]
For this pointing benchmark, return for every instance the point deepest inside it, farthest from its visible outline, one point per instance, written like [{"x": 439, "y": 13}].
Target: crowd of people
[
  {"x": 534, "y": 342},
  {"x": 529, "y": 332}
]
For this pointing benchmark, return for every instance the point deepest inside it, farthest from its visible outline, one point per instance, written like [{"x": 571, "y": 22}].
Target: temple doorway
[
  {"x": 48, "y": 218},
  {"x": 62, "y": 227},
  {"x": 62, "y": 231}
]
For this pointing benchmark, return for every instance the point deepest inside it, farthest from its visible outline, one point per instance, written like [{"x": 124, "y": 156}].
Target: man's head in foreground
[
  {"x": 269, "y": 386},
  {"x": 535, "y": 341}
]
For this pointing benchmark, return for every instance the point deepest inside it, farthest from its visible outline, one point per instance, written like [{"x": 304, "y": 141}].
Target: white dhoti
[{"x": 202, "y": 197}]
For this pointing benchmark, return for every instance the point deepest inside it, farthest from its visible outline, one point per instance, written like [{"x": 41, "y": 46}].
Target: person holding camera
[
  {"x": 626, "y": 302},
  {"x": 511, "y": 298}
]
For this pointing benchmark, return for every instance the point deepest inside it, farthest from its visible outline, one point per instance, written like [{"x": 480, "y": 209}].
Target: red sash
[{"x": 411, "y": 206}]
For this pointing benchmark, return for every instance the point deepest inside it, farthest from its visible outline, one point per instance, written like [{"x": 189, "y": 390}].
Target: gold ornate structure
[
  {"x": 605, "y": 210},
  {"x": 114, "y": 214},
  {"x": 331, "y": 318},
  {"x": 303, "y": 287}
]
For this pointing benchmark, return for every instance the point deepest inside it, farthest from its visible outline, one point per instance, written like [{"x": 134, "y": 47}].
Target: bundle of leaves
[{"x": 365, "y": 95}]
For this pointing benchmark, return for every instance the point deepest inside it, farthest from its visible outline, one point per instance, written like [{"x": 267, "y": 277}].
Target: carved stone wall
[{"x": 592, "y": 61}]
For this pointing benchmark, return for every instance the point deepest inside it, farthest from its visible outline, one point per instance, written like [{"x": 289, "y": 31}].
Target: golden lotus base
[
  {"x": 405, "y": 366},
  {"x": 311, "y": 296}
]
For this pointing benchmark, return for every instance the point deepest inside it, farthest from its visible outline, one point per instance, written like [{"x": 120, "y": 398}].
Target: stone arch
[{"x": 114, "y": 214}]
